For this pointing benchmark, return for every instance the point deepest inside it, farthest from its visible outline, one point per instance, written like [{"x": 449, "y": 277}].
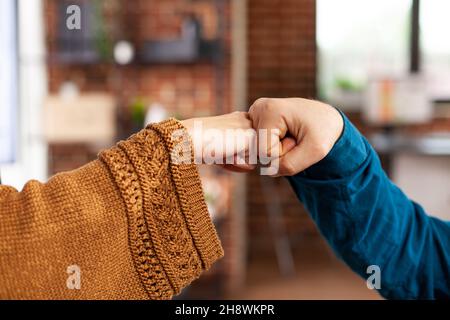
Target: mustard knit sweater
[{"x": 135, "y": 224}]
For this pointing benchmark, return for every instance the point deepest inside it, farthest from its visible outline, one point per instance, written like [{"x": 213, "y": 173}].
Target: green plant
[
  {"x": 138, "y": 109},
  {"x": 348, "y": 85},
  {"x": 102, "y": 40}
]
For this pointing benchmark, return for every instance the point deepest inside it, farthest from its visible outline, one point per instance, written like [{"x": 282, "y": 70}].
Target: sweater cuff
[
  {"x": 190, "y": 192},
  {"x": 172, "y": 238},
  {"x": 347, "y": 154}
]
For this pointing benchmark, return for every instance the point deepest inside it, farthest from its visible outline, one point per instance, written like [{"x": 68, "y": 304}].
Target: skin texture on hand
[
  {"x": 234, "y": 120},
  {"x": 231, "y": 126},
  {"x": 307, "y": 130}
]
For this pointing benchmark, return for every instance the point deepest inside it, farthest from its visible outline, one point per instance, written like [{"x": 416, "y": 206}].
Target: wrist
[
  {"x": 188, "y": 125},
  {"x": 347, "y": 154}
]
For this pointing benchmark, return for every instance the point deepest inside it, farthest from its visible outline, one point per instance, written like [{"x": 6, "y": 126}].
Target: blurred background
[{"x": 69, "y": 88}]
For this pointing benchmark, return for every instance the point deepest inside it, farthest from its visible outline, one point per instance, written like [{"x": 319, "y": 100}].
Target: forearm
[
  {"x": 126, "y": 220},
  {"x": 75, "y": 220},
  {"x": 369, "y": 221}
]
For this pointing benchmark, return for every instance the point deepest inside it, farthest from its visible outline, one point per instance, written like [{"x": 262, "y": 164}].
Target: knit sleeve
[{"x": 131, "y": 225}]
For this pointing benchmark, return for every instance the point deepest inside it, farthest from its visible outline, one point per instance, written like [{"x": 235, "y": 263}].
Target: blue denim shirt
[{"x": 368, "y": 220}]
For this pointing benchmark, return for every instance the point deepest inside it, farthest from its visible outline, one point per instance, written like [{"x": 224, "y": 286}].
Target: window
[
  {"x": 358, "y": 39},
  {"x": 8, "y": 80},
  {"x": 435, "y": 47},
  {"x": 23, "y": 87}
]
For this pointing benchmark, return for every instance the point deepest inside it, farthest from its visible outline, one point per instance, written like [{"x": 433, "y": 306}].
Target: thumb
[
  {"x": 287, "y": 144},
  {"x": 299, "y": 158}
]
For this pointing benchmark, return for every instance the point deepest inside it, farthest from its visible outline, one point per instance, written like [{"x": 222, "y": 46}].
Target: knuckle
[
  {"x": 262, "y": 104},
  {"x": 270, "y": 104},
  {"x": 251, "y": 110},
  {"x": 260, "y": 101},
  {"x": 244, "y": 119},
  {"x": 240, "y": 115},
  {"x": 321, "y": 150},
  {"x": 265, "y": 108}
]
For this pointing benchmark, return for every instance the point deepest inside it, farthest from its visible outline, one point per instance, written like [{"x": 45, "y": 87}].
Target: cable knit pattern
[
  {"x": 187, "y": 182},
  {"x": 134, "y": 221},
  {"x": 179, "y": 226}
]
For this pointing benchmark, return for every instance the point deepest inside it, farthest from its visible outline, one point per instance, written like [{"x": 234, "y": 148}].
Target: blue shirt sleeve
[{"x": 369, "y": 221}]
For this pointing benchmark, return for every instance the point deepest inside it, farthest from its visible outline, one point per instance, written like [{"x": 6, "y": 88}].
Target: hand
[
  {"x": 307, "y": 130},
  {"x": 221, "y": 137}
]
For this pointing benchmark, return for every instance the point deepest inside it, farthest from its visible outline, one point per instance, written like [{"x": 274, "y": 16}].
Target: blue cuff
[{"x": 347, "y": 154}]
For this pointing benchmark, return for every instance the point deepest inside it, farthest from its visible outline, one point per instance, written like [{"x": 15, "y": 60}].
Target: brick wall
[
  {"x": 281, "y": 63},
  {"x": 186, "y": 90},
  {"x": 282, "y": 48}
]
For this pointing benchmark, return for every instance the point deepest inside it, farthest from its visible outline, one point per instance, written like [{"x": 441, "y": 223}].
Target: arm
[
  {"x": 369, "y": 221},
  {"x": 134, "y": 223}
]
